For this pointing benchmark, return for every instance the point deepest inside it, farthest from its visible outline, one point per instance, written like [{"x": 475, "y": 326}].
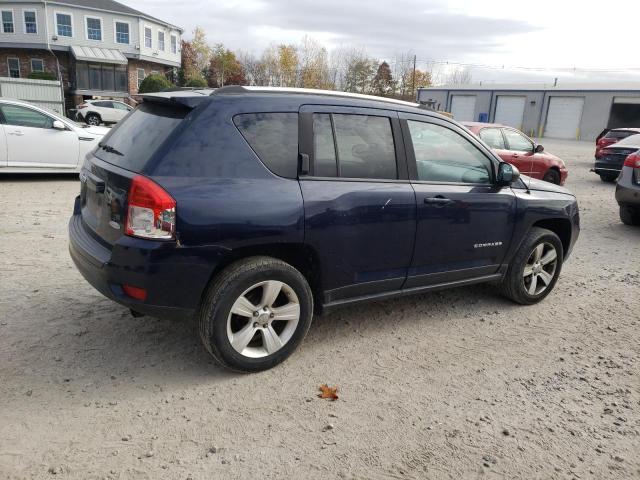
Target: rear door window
[
  {"x": 132, "y": 143},
  {"x": 274, "y": 138},
  {"x": 493, "y": 137}
]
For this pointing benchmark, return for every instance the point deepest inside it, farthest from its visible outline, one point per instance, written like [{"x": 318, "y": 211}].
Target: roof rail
[{"x": 238, "y": 89}]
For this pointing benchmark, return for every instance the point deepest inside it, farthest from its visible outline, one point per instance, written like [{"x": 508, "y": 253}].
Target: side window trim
[
  {"x": 306, "y": 139},
  {"x": 411, "y": 156}
]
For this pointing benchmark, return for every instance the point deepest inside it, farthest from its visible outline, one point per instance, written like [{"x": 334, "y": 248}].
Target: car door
[
  {"x": 522, "y": 152},
  {"x": 106, "y": 111},
  {"x": 464, "y": 220},
  {"x": 33, "y": 142},
  {"x": 3, "y": 147},
  {"x": 359, "y": 204},
  {"x": 120, "y": 110}
]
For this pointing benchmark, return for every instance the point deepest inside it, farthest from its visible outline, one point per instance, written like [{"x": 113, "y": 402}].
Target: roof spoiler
[{"x": 166, "y": 98}]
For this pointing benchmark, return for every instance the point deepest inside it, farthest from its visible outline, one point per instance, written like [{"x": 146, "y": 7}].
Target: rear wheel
[
  {"x": 255, "y": 313},
  {"x": 93, "y": 119},
  {"x": 552, "y": 176},
  {"x": 535, "y": 268},
  {"x": 629, "y": 215},
  {"x": 608, "y": 177}
]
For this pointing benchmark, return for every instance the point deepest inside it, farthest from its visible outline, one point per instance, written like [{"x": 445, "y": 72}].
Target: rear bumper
[
  {"x": 174, "y": 277},
  {"x": 610, "y": 167}
]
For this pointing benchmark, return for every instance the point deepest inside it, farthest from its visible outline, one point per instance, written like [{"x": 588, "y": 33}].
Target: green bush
[
  {"x": 197, "y": 83},
  {"x": 154, "y": 83},
  {"x": 42, "y": 76}
]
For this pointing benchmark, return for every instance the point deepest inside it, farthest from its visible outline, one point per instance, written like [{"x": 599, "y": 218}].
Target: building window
[
  {"x": 63, "y": 23},
  {"x": 30, "y": 24},
  {"x": 140, "y": 76},
  {"x": 7, "y": 21},
  {"x": 148, "y": 41},
  {"x": 174, "y": 44},
  {"x": 122, "y": 32},
  {"x": 161, "y": 41},
  {"x": 37, "y": 65},
  {"x": 94, "y": 29},
  {"x": 14, "y": 67}
]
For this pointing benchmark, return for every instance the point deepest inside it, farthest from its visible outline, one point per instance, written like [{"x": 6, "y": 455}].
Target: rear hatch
[
  {"x": 126, "y": 151},
  {"x": 614, "y": 156}
]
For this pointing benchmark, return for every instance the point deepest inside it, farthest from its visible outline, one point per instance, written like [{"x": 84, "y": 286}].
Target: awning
[{"x": 100, "y": 55}]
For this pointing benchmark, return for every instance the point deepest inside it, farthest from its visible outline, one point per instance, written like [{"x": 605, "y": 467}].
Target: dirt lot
[{"x": 456, "y": 384}]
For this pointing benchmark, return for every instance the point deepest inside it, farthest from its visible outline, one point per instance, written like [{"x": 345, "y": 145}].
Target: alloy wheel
[
  {"x": 263, "y": 319},
  {"x": 540, "y": 268}
]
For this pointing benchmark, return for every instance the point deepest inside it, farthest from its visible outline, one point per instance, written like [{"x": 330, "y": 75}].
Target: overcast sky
[{"x": 543, "y": 33}]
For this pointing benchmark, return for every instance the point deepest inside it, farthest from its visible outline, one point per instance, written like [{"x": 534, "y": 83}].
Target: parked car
[
  {"x": 252, "y": 208},
  {"x": 515, "y": 147},
  {"x": 33, "y": 139},
  {"x": 95, "y": 112},
  {"x": 628, "y": 186},
  {"x": 603, "y": 165}
]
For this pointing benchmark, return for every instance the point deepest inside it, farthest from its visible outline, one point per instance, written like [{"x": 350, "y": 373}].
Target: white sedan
[{"x": 36, "y": 140}]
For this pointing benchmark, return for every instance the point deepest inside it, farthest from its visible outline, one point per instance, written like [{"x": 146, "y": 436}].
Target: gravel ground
[{"x": 455, "y": 384}]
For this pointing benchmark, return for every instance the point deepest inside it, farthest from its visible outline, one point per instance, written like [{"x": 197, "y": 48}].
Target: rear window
[
  {"x": 619, "y": 134},
  {"x": 274, "y": 138},
  {"x": 132, "y": 143}
]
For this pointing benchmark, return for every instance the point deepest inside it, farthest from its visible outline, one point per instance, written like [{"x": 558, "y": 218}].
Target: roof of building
[
  {"x": 111, "y": 6},
  {"x": 610, "y": 86}
]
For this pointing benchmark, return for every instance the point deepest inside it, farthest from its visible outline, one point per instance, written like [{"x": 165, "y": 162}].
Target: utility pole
[{"x": 413, "y": 81}]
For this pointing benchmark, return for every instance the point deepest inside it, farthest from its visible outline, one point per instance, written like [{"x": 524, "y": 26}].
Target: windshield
[{"x": 132, "y": 142}]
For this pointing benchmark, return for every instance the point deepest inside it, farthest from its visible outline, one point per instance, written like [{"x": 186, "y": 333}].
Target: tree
[
  {"x": 224, "y": 68},
  {"x": 314, "y": 66},
  {"x": 202, "y": 51},
  {"x": 288, "y": 65},
  {"x": 383, "y": 83},
  {"x": 359, "y": 72},
  {"x": 154, "y": 83},
  {"x": 197, "y": 82},
  {"x": 458, "y": 76},
  {"x": 188, "y": 66}
]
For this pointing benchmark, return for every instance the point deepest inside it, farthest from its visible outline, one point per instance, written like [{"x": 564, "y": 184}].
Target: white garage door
[
  {"x": 510, "y": 110},
  {"x": 563, "y": 117},
  {"x": 463, "y": 107}
]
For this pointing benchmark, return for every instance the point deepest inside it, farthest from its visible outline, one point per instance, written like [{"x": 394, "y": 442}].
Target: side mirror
[
  {"x": 538, "y": 149},
  {"x": 507, "y": 174},
  {"x": 58, "y": 125}
]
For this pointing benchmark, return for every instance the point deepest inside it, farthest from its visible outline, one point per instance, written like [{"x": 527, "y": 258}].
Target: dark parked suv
[{"x": 253, "y": 208}]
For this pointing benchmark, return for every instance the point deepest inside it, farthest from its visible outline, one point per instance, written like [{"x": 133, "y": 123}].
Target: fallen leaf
[{"x": 328, "y": 392}]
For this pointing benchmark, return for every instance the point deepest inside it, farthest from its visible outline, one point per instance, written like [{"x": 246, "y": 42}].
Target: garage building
[{"x": 571, "y": 111}]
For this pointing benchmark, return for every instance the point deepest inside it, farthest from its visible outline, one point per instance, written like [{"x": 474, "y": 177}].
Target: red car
[{"x": 516, "y": 148}]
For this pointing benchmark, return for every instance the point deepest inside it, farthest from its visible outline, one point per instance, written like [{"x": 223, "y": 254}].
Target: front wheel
[
  {"x": 255, "y": 313},
  {"x": 535, "y": 268},
  {"x": 552, "y": 176}
]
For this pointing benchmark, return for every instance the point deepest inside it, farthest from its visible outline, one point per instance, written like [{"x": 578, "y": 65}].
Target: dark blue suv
[{"x": 253, "y": 208}]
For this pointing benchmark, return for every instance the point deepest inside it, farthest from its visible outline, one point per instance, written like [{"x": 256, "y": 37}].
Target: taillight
[
  {"x": 135, "y": 292},
  {"x": 633, "y": 160},
  {"x": 152, "y": 211}
]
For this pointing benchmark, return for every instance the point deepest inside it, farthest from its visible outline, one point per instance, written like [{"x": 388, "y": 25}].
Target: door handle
[
  {"x": 16, "y": 132},
  {"x": 438, "y": 201}
]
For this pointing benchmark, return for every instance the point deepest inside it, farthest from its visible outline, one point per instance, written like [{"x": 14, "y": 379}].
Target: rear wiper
[{"x": 110, "y": 149}]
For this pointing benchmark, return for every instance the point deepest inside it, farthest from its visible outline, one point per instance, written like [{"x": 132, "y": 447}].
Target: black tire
[
  {"x": 608, "y": 177},
  {"x": 513, "y": 284},
  {"x": 227, "y": 287},
  {"x": 92, "y": 119},
  {"x": 629, "y": 215},
  {"x": 552, "y": 176}
]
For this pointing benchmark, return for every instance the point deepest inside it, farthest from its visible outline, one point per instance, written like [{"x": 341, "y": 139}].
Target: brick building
[{"x": 98, "y": 48}]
